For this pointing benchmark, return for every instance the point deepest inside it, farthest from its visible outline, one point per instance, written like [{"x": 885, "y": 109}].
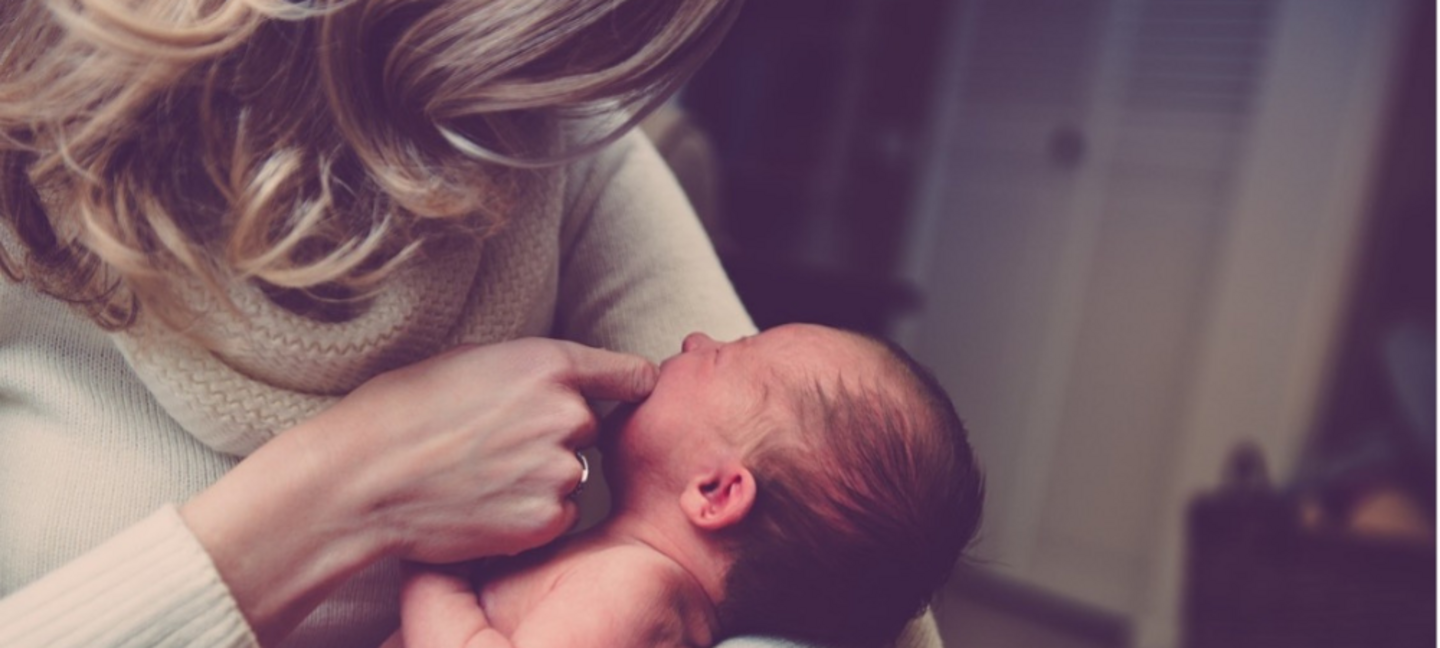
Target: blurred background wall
[{"x": 1131, "y": 237}]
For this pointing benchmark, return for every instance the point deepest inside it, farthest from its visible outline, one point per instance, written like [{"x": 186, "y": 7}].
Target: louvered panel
[
  {"x": 1195, "y": 67},
  {"x": 1199, "y": 56},
  {"x": 1030, "y": 55}
]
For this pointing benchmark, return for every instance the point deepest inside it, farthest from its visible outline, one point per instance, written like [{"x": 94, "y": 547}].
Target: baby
[{"x": 804, "y": 482}]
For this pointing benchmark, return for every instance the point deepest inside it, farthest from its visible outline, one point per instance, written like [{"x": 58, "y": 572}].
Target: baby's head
[{"x": 829, "y": 467}]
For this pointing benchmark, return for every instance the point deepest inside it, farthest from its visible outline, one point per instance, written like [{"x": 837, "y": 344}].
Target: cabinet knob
[{"x": 1067, "y": 146}]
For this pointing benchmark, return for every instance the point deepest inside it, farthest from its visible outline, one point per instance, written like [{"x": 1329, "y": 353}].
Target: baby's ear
[{"x": 720, "y": 497}]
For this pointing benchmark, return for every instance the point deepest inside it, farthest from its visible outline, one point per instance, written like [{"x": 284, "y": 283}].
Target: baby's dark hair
[{"x": 860, "y": 517}]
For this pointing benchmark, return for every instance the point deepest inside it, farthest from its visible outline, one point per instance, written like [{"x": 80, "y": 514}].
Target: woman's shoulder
[{"x": 589, "y": 174}]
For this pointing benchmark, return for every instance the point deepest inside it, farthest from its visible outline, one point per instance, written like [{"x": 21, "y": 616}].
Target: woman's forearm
[
  {"x": 282, "y": 533},
  {"x": 467, "y": 454}
]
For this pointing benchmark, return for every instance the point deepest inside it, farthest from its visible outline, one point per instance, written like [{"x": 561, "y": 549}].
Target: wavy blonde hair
[{"x": 311, "y": 147}]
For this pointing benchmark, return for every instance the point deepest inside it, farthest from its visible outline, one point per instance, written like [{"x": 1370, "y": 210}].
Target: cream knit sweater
[{"x": 100, "y": 436}]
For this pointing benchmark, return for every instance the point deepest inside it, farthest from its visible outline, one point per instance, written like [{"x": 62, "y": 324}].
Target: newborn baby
[{"x": 804, "y": 482}]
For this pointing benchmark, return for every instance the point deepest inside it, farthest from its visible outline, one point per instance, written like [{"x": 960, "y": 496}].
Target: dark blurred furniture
[
  {"x": 1256, "y": 577},
  {"x": 776, "y": 288},
  {"x": 818, "y": 111}
]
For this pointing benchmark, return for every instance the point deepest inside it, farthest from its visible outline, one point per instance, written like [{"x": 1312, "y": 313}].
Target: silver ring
[{"x": 584, "y": 475}]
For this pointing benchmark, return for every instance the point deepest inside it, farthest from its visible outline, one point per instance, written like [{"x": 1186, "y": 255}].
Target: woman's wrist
[{"x": 283, "y": 532}]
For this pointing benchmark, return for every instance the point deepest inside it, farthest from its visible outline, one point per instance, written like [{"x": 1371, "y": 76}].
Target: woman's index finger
[{"x": 609, "y": 375}]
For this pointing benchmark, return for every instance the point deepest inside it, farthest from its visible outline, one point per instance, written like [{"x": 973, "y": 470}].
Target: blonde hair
[{"x": 307, "y": 146}]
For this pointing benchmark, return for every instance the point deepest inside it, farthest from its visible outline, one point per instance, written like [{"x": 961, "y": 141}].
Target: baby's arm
[
  {"x": 616, "y": 599},
  {"x": 440, "y": 610}
]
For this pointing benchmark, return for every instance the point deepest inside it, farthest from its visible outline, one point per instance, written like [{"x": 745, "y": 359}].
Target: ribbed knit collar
[{"x": 274, "y": 368}]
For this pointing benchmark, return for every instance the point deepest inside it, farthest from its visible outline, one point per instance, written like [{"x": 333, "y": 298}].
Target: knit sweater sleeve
[
  {"x": 637, "y": 272},
  {"x": 151, "y": 585}
]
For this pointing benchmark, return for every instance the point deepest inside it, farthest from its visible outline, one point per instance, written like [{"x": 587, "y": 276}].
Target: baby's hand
[{"x": 439, "y": 609}]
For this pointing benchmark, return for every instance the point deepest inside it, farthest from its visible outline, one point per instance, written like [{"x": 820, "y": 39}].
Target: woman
[
  {"x": 242, "y": 236},
  {"x": 255, "y": 208}
]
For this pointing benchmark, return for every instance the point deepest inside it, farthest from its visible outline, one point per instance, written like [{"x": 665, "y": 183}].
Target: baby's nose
[{"x": 696, "y": 341}]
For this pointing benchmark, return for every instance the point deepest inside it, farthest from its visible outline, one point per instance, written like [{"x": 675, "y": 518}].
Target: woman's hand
[
  {"x": 472, "y": 453},
  {"x": 467, "y": 454}
]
